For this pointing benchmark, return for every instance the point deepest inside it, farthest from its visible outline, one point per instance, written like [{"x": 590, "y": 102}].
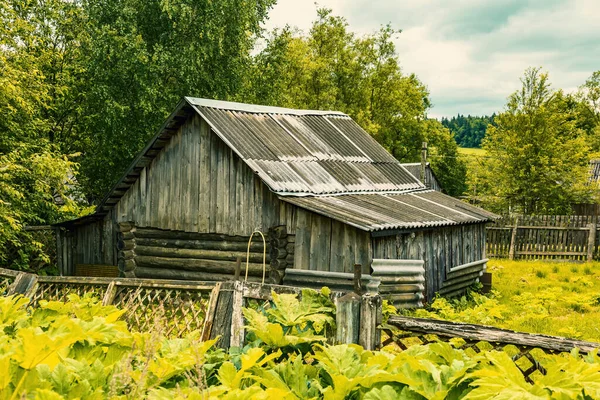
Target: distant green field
[{"x": 471, "y": 151}]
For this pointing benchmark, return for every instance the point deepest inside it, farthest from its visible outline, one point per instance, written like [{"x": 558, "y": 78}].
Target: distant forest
[{"x": 468, "y": 131}]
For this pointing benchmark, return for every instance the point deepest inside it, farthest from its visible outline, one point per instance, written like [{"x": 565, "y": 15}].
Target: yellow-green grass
[
  {"x": 466, "y": 151},
  {"x": 554, "y": 298}
]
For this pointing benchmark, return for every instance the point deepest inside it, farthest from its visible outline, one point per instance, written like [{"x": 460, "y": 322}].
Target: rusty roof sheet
[
  {"x": 385, "y": 211},
  {"x": 303, "y": 152}
]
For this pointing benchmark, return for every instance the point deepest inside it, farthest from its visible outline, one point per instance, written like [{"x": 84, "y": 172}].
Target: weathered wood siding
[
  {"x": 92, "y": 243},
  {"x": 323, "y": 244},
  {"x": 197, "y": 184},
  {"x": 441, "y": 249}
]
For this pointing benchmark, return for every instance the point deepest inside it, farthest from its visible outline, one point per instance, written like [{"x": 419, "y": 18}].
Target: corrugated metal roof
[
  {"x": 379, "y": 212},
  {"x": 301, "y": 152}
]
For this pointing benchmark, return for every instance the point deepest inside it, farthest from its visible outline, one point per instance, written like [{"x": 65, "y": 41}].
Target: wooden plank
[
  {"x": 320, "y": 243},
  {"x": 303, "y": 239},
  {"x": 349, "y": 255},
  {"x": 213, "y": 183},
  {"x": 237, "y": 318},
  {"x": 339, "y": 256},
  {"x": 194, "y": 174},
  {"x": 363, "y": 252},
  {"x": 232, "y": 221},
  {"x": 204, "y": 174},
  {"x": 558, "y": 253},
  {"x": 489, "y": 334},
  {"x": 210, "y": 312},
  {"x": 242, "y": 216}
]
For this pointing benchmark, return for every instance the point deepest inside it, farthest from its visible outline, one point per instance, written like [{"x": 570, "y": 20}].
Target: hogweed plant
[{"x": 80, "y": 349}]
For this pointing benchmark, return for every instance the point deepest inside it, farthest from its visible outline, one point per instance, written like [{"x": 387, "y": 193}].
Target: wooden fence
[
  {"x": 560, "y": 237},
  {"x": 175, "y": 308}
]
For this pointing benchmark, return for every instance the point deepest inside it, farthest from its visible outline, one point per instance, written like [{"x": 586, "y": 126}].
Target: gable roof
[
  {"x": 304, "y": 152},
  {"x": 299, "y": 154}
]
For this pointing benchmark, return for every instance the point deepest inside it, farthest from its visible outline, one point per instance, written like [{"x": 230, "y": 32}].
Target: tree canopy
[
  {"x": 537, "y": 156},
  {"x": 468, "y": 131}
]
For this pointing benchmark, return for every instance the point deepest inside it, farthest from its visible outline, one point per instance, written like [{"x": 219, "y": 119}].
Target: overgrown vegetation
[
  {"x": 544, "y": 297},
  {"x": 80, "y": 349}
]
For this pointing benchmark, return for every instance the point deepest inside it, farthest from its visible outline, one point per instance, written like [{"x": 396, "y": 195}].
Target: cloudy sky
[{"x": 471, "y": 53}]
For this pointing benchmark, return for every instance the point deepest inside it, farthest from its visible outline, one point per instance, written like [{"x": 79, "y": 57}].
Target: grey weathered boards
[{"x": 324, "y": 193}]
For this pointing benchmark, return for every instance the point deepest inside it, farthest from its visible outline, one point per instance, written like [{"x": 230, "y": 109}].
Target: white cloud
[{"x": 471, "y": 53}]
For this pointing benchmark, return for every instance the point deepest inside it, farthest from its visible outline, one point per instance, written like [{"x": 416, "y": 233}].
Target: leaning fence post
[
  {"x": 370, "y": 319},
  {"x": 513, "y": 239},
  {"x": 109, "y": 296},
  {"x": 347, "y": 318},
  {"x": 24, "y": 284},
  {"x": 591, "y": 241},
  {"x": 237, "y": 317}
]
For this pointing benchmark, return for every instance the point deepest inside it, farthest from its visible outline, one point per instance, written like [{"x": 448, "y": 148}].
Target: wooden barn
[{"x": 323, "y": 192}]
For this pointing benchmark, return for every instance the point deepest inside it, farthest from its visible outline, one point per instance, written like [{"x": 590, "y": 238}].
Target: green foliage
[
  {"x": 36, "y": 188},
  {"x": 142, "y": 57},
  {"x": 468, "y": 131},
  {"x": 537, "y": 156},
  {"x": 80, "y": 349},
  {"x": 531, "y": 296},
  {"x": 292, "y": 324}
]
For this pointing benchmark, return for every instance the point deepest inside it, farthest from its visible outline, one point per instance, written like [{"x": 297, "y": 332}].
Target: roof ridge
[{"x": 258, "y": 109}]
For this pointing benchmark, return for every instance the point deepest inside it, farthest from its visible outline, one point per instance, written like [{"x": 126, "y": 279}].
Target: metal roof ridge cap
[
  {"x": 255, "y": 108},
  {"x": 349, "y": 193}
]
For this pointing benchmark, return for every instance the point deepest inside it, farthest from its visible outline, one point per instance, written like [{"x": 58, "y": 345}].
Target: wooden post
[
  {"x": 24, "y": 284},
  {"x": 222, "y": 321},
  {"x": 513, "y": 239},
  {"x": 357, "y": 277},
  {"x": 370, "y": 319},
  {"x": 59, "y": 252},
  {"x": 591, "y": 242},
  {"x": 238, "y": 268},
  {"x": 210, "y": 312},
  {"x": 424, "y": 163},
  {"x": 110, "y": 294},
  {"x": 347, "y": 319},
  {"x": 237, "y": 318}
]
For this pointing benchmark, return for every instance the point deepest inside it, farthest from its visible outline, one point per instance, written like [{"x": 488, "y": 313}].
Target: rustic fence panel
[{"x": 557, "y": 237}]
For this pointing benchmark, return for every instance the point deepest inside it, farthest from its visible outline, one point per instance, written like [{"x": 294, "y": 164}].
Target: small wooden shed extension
[
  {"x": 431, "y": 181},
  {"x": 324, "y": 192}
]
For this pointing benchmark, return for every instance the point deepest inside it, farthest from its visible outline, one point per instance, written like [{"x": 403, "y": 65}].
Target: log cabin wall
[{"x": 441, "y": 249}]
